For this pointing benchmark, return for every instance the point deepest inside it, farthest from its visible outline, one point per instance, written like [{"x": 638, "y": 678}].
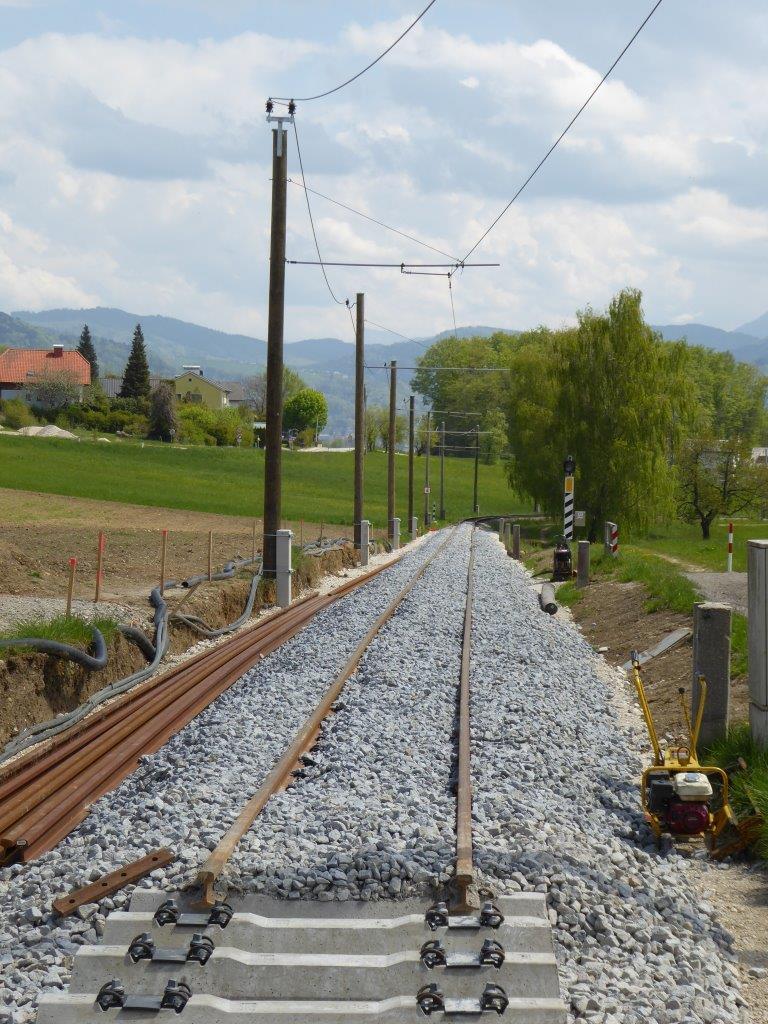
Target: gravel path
[
  {"x": 722, "y": 587},
  {"x": 554, "y": 764}
]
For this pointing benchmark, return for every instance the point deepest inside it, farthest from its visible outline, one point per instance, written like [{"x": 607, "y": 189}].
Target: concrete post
[
  {"x": 757, "y": 603},
  {"x": 365, "y": 539},
  {"x": 607, "y": 539},
  {"x": 508, "y": 536},
  {"x": 501, "y": 529},
  {"x": 414, "y": 527},
  {"x": 582, "y": 570},
  {"x": 394, "y": 533},
  {"x": 283, "y": 566},
  {"x": 516, "y": 541},
  {"x": 712, "y": 659}
]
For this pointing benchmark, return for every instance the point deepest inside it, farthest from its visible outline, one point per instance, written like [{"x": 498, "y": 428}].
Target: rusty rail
[
  {"x": 204, "y": 884},
  {"x": 464, "y": 877},
  {"x": 49, "y": 790}
]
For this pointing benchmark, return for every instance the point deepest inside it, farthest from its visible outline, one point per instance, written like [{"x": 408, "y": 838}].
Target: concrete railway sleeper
[{"x": 463, "y": 955}]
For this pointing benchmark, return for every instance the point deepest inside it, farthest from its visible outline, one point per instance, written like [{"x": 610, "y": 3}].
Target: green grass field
[
  {"x": 684, "y": 542},
  {"x": 317, "y": 486}
]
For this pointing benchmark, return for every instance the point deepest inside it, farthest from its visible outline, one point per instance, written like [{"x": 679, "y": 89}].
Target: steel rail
[
  {"x": 45, "y": 794},
  {"x": 464, "y": 877},
  {"x": 203, "y": 885}
]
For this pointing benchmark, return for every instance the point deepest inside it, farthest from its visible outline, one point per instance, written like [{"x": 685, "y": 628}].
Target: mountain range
[{"x": 324, "y": 363}]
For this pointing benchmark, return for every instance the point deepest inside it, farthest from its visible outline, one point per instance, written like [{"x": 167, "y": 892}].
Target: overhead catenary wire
[
  {"x": 349, "y": 81},
  {"x": 397, "y": 334},
  {"x": 402, "y": 266},
  {"x": 311, "y": 218},
  {"x": 565, "y": 131},
  {"x": 373, "y": 220},
  {"x": 452, "y": 369}
]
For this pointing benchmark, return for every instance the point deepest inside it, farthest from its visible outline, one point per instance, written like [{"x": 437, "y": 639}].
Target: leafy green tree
[
  {"x": 256, "y": 390},
  {"x": 88, "y": 351},
  {"x": 494, "y": 437},
  {"x": 372, "y": 418},
  {"x": 718, "y": 478},
  {"x": 614, "y": 395},
  {"x": 306, "y": 409},
  {"x": 136, "y": 375},
  {"x": 163, "y": 420},
  {"x": 56, "y": 389}
]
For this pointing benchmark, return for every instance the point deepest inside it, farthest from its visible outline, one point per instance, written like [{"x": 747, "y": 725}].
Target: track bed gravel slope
[{"x": 556, "y": 810}]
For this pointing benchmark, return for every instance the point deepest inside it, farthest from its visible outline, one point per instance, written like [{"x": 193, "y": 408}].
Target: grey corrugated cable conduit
[
  {"x": 154, "y": 651},
  {"x": 93, "y": 662}
]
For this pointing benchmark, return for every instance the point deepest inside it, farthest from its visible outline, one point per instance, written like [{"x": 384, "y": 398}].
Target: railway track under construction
[
  {"x": 213, "y": 956},
  {"x": 46, "y": 792}
]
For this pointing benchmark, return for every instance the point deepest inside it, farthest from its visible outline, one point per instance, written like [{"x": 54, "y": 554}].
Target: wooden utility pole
[
  {"x": 427, "y": 513},
  {"x": 477, "y": 461},
  {"x": 442, "y": 470},
  {"x": 411, "y": 440},
  {"x": 391, "y": 449},
  {"x": 359, "y": 415},
  {"x": 274, "y": 432}
]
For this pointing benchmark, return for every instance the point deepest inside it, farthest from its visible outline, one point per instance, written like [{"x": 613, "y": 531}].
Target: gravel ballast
[
  {"x": 556, "y": 811},
  {"x": 184, "y": 796},
  {"x": 372, "y": 814}
]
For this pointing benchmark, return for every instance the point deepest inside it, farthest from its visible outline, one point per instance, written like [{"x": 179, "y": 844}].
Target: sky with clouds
[{"x": 135, "y": 158}]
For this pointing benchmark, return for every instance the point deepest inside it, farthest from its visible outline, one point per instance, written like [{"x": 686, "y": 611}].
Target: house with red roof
[{"x": 22, "y": 368}]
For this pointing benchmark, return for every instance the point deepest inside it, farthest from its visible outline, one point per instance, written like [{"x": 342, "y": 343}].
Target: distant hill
[
  {"x": 325, "y": 363},
  {"x": 757, "y": 327},
  {"x": 746, "y": 347},
  {"x": 173, "y": 342},
  {"x": 17, "y": 334}
]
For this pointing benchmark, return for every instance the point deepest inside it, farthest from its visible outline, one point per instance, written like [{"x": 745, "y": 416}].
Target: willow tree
[{"x": 615, "y": 396}]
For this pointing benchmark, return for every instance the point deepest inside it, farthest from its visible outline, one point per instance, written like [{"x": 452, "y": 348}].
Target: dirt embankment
[
  {"x": 613, "y": 617},
  {"x": 35, "y": 688}
]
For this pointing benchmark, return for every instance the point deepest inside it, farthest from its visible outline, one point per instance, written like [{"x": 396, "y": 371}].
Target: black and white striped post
[{"x": 569, "y": 465}]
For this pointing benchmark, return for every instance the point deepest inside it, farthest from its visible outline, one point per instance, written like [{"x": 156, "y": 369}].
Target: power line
[
  {"x": 452, "y": 369},
  {"x": 349, "y": 81},
  {"x": 453, "y": 308},
  {"x": 373, "y": 220},
  {"x": 397, "y": 334},
  {"x": 565, "y": 131},
  {"x": 311, "y": 219},
  {"x": 399, "y": 266}
]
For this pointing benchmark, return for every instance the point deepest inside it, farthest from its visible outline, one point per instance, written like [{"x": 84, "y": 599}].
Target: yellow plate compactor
[{"x": 680, "y": 796}]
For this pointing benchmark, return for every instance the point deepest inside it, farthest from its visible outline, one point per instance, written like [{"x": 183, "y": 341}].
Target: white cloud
[
  {"x": 470, "y": 83},
  {"x": 711, "y": 217}
]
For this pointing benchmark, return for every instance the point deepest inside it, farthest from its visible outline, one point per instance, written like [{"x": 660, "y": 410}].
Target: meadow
[{"x": 317, "y": 486}]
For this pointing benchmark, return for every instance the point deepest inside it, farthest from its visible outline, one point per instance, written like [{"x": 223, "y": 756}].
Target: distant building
[
  {"x": 190, "y": 386},
  {"x": 236, "y": 391},
  {"x": 22, "y": 368},
  {"x": 760, "y": 456},
  {"x": 111, "y": 385}
]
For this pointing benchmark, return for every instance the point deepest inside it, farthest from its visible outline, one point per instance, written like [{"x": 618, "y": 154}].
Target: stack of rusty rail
[{"x": 47, "y": 792}]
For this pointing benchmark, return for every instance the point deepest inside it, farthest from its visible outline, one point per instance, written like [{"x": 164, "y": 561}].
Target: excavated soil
[{"x": 35, "y": 688}]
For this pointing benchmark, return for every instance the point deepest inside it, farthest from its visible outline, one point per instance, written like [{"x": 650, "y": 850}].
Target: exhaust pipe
[{"x": 547, "y": 599}]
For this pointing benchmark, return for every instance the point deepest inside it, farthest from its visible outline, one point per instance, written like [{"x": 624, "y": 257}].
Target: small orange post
[
  {"x": 99, "y": 567},
  {"x": 163, "y": 546},
  {"x": 210, "y": 555},
  {"x": 71, "y": 586}
]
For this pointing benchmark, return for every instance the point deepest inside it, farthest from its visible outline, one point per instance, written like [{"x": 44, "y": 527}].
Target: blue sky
[{"x": 134, "y": 166}]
